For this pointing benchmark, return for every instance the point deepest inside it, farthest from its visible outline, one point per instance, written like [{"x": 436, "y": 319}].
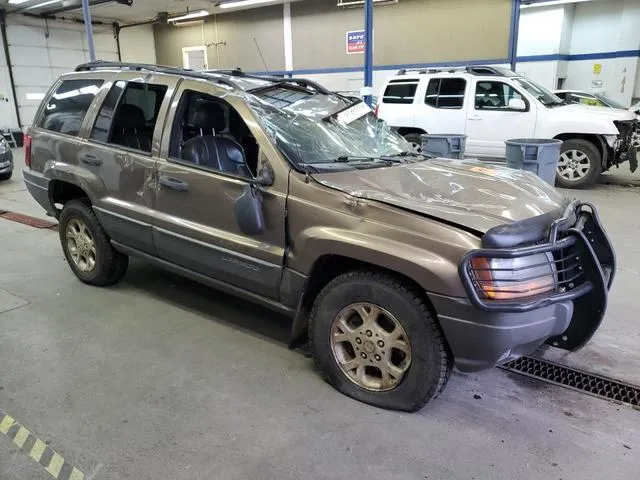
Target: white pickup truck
[{"x": 491, "y": 105}]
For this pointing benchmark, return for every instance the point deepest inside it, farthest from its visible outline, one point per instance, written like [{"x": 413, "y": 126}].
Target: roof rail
[
  {"x": 106, "y": 65},
  {"x": 472, "y": 69}
]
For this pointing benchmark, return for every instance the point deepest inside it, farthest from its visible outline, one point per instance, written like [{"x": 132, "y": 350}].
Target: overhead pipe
[{"x": 88, "y": 28}]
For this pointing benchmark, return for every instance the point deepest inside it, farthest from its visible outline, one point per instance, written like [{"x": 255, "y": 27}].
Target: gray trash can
[
  {"x": 444, "y": 145},
  {"x": 537, "y": 155}
]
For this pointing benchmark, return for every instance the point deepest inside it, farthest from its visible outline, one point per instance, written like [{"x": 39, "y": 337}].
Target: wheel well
[
  {"x": 596, "y": 140},
  {"x": 60, "y": 192},
  {"x": 325, "y": 269},
  {"x": 407, "y": 130}
]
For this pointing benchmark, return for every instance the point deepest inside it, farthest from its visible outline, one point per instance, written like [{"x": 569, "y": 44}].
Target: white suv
[{"x": 491, "y": 105}]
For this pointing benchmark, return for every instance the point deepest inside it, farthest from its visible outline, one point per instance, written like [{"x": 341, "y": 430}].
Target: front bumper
[{"x": 483, "y": 333}]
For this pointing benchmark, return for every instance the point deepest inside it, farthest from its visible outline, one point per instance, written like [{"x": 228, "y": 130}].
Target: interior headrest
[
  {"x": 207, "y": 116},
  {"x": 130, "y": 116}
]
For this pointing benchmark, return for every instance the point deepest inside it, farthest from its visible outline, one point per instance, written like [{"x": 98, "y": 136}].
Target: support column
[
  {"x": 367, "y": 91},
  {"x": 513, "y": 37},
  {"x": 88, "y": 27},
  {"x": 288, "y": 42}
]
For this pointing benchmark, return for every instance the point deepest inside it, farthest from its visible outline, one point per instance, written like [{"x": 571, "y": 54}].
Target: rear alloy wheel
[
  {"x": 87, "y": 247},
  {"x": 579, "y": 165},
  {"x": 375, "y": 340},
  {"x": 415, "y": 140}
]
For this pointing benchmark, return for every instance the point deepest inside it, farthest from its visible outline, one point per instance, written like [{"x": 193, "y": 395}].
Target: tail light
[{"x": 27, "y": 150}]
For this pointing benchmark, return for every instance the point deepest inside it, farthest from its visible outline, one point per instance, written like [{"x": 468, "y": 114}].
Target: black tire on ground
[
  {"x": 431, "y": 363},
  {"x": 5, "y": 176},
  {"x": 414, "y": 139},
  {"x": 575, "y": 149},
  {"x": 110, "y": 265}
]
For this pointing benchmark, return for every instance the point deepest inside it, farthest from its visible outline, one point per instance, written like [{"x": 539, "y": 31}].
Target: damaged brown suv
[{"x": 394, "y": 266}]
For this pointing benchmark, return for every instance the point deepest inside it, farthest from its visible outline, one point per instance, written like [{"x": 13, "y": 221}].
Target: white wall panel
[
  {"x": 137, "y": 44},
  {"x": 41, "y": 52}
]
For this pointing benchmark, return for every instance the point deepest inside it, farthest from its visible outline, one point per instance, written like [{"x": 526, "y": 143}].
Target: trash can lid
[{"x": 532, "y": 141}]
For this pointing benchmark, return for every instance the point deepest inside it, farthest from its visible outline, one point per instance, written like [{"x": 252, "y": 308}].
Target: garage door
[{"x": 40, "y": 52}]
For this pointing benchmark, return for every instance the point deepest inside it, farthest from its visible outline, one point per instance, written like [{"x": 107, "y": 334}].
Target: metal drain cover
[{"x": 590, "y": 383}]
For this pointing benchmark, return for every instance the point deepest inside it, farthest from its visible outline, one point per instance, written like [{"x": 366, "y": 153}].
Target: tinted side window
[
  {"x": 400, "y": 93},
  {"x": 68, "y": 106},
  {"x": 129, "y": 114},
  {"x": 445, "y": 93},
  {"x": 494, "y": 95}
]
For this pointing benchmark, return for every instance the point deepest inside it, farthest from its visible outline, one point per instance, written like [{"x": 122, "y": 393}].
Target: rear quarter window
[
  {"x": 403, "y": 93},
  {"x": 67, "y": 107}
]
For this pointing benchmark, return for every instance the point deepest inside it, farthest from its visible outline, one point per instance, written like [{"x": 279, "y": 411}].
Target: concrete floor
[{"x": 161, "y": 378}]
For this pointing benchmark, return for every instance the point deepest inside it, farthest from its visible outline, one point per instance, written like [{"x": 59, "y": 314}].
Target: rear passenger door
[
  {"x": 122, "y": 149},
  {"x": 396, "y": 107},
  {"x": 443, "y": 110}
]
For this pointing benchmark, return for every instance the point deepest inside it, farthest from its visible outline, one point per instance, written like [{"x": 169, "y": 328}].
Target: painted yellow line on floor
[{"x": 37, "y": 450}]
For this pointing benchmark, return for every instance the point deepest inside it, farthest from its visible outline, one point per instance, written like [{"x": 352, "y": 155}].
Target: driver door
[
  {"x": 490, "y": 121},
  {"x": 195, "y": 225}
]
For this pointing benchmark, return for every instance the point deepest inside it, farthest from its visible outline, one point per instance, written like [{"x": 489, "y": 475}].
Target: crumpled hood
[
  {"x": 469, "y": 193},
  {"x": 613, "y": 114}
]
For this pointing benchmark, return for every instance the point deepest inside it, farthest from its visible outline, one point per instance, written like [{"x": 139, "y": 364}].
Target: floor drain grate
[
  {"x": 28, "y": 220},
  {"x": 596, "y": 385}
]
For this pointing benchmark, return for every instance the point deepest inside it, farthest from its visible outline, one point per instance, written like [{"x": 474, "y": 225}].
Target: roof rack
[
  {"x": 302, "y": 82},
  {"x": 472, "y": 69},
  {"x": 106, "y": 65}
]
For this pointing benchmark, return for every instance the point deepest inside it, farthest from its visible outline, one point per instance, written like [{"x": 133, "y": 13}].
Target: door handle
[
  {"x": 475, "y": 117},
  {"x": 90, "y": 159},
  {"x": 173, "y": 183}
]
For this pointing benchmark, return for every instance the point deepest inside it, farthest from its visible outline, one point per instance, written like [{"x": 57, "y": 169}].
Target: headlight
[
  {"x": 611, "y": 140},
  {"x": 514, "y": 278},
  {"x": 4, "y": 146}
]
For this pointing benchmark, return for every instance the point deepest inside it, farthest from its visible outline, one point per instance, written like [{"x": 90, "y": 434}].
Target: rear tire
[
  {"x": 375, "y": 340},
  {"x": 87, "y": 247},
  {"x": 415, "y": 139},
  {"x": 580, "y": 164}
]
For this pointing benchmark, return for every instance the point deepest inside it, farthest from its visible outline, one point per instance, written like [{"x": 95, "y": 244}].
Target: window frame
[
  {"x": 506, "y": 109},
  {"x": 178, "y": 111},
  {"x": 440, "y": 80},
  {"x": 163, "y": 112},
  {"x": 88, "y": 114},
  {"x": 400, "y": 82}
]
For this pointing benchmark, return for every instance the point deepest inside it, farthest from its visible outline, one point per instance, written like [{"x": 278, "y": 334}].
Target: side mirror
[
  {"x": 517, "y": 104},
  {"x": 264, "y": 178},
  {"x": 249, "y": 212}
]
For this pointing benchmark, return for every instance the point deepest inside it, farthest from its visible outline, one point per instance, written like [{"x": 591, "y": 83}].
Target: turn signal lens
[{"x": 514, "y": 278}]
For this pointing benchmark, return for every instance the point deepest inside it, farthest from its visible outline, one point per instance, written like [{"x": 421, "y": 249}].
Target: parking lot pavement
[{"x": 159, "y": 377}]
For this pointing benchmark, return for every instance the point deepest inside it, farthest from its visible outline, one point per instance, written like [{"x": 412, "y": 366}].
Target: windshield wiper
[{"x": 388, "y": 159}]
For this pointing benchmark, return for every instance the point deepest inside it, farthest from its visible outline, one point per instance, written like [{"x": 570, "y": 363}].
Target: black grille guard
[{"x": 577, "y": 231}]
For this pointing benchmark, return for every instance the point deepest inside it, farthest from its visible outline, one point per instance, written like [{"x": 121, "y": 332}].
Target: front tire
[
  {"x": 87, "y": 248},
  {"x": 580, "y": 164},
  {"x": 375, "y": 340}
]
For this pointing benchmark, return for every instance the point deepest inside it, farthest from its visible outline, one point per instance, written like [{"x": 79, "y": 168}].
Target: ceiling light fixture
[
  {"x": 549, "y": 3},
  {"x": 243, "y": 3},
  {"x": 43, "y": 4},
  {"x": 189, "y": 16},
  {"x": 17, "y": 2}
]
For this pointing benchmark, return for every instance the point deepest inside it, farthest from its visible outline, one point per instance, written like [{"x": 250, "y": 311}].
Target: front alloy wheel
[
  {"x": 370, "y": 346},
  {"x": 375, "y": 339},
  {"x": 573, "y": 165},
  {"x": 579, "y": 165}
]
